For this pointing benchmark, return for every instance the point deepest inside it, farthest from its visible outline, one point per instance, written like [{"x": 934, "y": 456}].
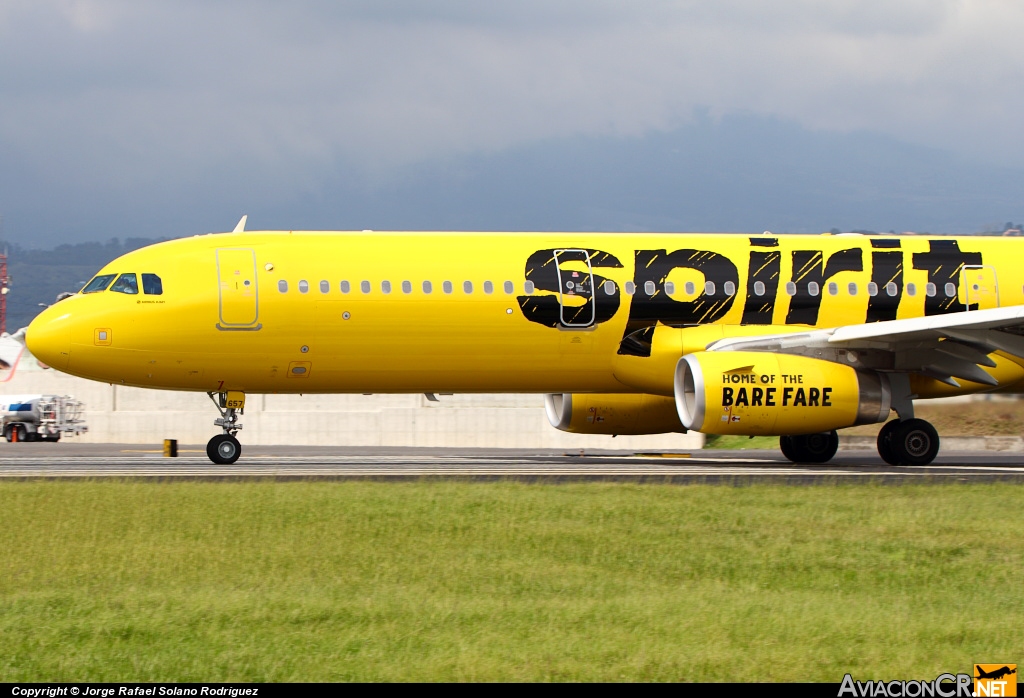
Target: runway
[{"x": 61, "y": 461}]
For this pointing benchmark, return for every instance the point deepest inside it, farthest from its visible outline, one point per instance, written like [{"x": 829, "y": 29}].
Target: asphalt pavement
[{"x": 76, "y": 460}]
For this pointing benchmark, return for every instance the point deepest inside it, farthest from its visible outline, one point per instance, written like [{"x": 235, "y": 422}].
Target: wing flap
[{"x": 945, "y": 347}]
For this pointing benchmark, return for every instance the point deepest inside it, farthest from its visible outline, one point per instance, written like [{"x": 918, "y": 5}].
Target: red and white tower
[{"x": 5, "y": 287}]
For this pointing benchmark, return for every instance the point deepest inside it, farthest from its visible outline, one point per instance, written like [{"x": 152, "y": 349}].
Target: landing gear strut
[
  {"x": 810, "y": 448},
  {"x": 906, "y": 441},
  {"x": 224, "y": 448}
]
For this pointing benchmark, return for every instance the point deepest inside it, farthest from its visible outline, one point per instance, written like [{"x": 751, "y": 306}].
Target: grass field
[{"x": 257, "y": 581}]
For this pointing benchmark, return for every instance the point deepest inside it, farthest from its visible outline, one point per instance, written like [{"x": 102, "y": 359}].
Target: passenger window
[
  {"x": 730, "y": 288},
  {"x": 529, "y": 288},
  {"x": 325, "y": 287},
  {"x": 690, "y": 288},
  {"x": 98, "y": 284},
  {"x": 447, "y": 286},
  {"x": 406, "y": 287},
  {"x": 630, "y": 288},
  {"x": 609, "y": 288},
  {"x": 852, "y": 289},
  {"x": 344, "y": 286},
  {"x": 467, "y": 286},
  {"x": 790, "y": 288},
  {"x": 929, "y": 289},
  {"x": 872, "y": 288},
  {"x": 428, "y": 287},
  {"x": 891, "y": 288},
  {"x": 126, "y": 283},
  {"x": 152, "y": 285},
  {"x": 509, "y": 288},
  {"x": 709, "y": 288},
  {"x": 385, "y": 286},
  {"x": 758, "y": 288},
  {"x": 488, "y": 287},
  {"x": 833, "y": 288},
  {"x": 813, "y": 288},
  {"x": 303, "y": 286},
  {"x": 649, "y": 288},
  {"x": 282, "y": 286},
  {"x": 950, "y": 290},
  {"x": 911, "y": 290},
  {"x": 670, "y": 288},
  {"x": 364, "y": 286}
]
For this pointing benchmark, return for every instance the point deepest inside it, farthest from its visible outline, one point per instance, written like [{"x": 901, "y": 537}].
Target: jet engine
[
  {"x": 761, "y": 393},
  {"x": 612, "y": 413}
]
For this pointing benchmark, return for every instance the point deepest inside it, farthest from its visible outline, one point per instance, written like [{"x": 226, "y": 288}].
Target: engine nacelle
[
  {"x": 612, "y": 413},
  {"x": 752, "y": 393}
]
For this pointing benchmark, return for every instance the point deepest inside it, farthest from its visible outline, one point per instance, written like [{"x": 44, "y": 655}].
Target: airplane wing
[{"x": 945, "y": 347}]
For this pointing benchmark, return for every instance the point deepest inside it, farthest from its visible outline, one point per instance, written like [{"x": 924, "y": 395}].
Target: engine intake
[
  {"x": 758, "y": 393},
  {"x": 612, "y": 413}
]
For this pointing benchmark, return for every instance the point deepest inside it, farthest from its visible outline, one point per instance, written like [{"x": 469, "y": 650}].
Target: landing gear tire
[
  {"x": 810, "y": 448},
  {"x": 788, "y": 449},
  {"x": 223, "y": 449},
  {"x": 885, "y": 449},
  {"x": 911, "y": 442}
]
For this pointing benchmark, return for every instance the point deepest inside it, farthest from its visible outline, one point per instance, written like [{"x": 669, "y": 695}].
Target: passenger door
[{"x": 239, "y": 297}]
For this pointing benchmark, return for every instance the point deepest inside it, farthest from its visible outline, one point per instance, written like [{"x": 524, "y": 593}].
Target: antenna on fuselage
[{"x": 240, "y": 228}]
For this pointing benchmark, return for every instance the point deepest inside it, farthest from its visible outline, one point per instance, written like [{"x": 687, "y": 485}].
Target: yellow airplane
[{"x": 795, "y": 336}]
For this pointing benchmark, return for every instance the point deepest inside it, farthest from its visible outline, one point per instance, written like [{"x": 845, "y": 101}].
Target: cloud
[{"x": 109, "y": 95}]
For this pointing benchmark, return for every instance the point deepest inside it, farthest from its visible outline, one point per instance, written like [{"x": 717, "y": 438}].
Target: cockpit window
[
  {"x": 152, "y": 284},
  {"x": 98, "y": 284},
  {"x": 126, "y": 283}
]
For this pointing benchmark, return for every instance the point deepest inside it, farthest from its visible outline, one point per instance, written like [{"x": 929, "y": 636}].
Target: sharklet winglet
[{"x": 240, "y": 228}]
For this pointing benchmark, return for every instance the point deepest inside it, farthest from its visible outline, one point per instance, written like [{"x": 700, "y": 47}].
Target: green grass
[{"x": 108, "y": 581}]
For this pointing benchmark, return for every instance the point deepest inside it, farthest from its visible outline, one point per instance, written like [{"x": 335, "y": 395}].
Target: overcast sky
[{"x": 170, "y": 118}]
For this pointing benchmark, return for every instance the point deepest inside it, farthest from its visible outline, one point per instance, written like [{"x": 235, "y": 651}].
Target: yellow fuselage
[{"x": 267, "y": 311}]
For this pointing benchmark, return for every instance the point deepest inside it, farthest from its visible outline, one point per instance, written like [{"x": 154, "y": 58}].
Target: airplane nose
[{"x": 49, "y": 337}]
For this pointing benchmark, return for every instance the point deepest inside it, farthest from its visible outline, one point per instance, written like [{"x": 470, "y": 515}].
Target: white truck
[{"x": 40, "y": 417}]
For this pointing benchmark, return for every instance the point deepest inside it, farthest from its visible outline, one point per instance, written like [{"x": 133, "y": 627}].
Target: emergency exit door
[
  {"x": 981, "y": 288},
  {"x": 577, "y": 305},
  {"x": 239, "y": 297}
]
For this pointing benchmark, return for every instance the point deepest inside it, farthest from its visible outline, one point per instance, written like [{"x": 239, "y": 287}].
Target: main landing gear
[
  {"x": 903, "y": 441},
  {"x": 900, "y": 442},
  {"x": 810, "y": 448},
  {"x": 908, "y": 442},
  {"x": 224, "y": 448}
]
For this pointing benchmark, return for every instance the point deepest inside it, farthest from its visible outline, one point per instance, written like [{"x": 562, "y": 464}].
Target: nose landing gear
[{"x": 224, "y": 448}]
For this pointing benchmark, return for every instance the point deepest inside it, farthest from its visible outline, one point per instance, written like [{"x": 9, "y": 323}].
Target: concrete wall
[{"x": 118, "y": 414}]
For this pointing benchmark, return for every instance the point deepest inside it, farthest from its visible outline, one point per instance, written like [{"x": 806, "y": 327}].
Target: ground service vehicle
[
  {"x": 789, "y": 335},
  {"x": 40, "y": 417}
]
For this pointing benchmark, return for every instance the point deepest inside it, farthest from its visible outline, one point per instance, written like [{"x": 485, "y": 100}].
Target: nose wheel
[{"x": 224, "y": 448}]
